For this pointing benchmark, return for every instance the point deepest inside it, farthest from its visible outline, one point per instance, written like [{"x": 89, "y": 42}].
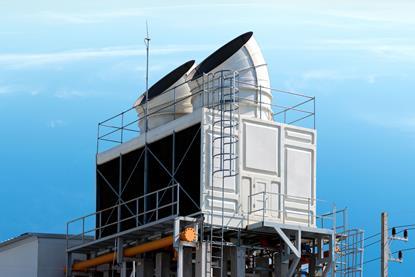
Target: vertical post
[
  {"x": 157, "y": 205},
  {"x": 136, "y": 212},
  {"x": 122, "y": 127},
  {"x": 98, "y": 136},
  {"x": 68, "y": 264},
  {"x": 119, "y": 195},
  {"x": 314, "y": 112},
  {"x": 173, "y": 168},
  {"x": 187, "y": 261},
  {"x": 180, "y": 261},
  {"x": 163, "y": 265},
  {"x": 309, "y": 212},
  {"x": 100, "y": 225},
  {"x": 384, "y": 247},
  {"x": 83, "y": 228},
  {"x": 260, "y": 102},
  {"x": 237, "y": 261},
  {"x": 178, "y": 199},
  {"x": 147, "y": 43},
  {"x": 67, "y": 235},
  {"x": 174, "y": 103},
  {"x": 123, "y": 270}
]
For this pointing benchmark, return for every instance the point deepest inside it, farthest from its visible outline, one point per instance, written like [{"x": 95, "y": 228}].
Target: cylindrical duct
[
  {"x": 168, "y": 99},
  {"x": 244, "y": 56}
]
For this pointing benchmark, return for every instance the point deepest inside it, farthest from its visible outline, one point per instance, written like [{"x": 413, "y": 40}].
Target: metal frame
[
  {"x": 234, "y": 244},
  {"x": 123, "y": 126}
]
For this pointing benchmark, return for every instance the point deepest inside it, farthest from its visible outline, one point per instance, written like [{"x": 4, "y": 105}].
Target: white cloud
[
  {"x": 334, "y": 75},
  {"x": 55, "y": 123},
  {"x": 86, "y": 18},
  {"x": 388, "y": 13},
  {"x": 104, "y": 15},
  {"x": 25, "y": 60},
  {"x": 5, "y": 90},
  {"x": 322, "y": 74},
  {"x": 396, "y": 49},
  {"x": 404, "y": 123},
  {"x": 68, "y": 94},
  {"x": 15, "y": 88}
]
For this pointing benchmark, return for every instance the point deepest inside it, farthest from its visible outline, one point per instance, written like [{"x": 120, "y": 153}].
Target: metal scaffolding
[{"x": 262, "y": 248}]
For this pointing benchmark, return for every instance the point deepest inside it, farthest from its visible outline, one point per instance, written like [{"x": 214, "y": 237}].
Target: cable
[
  {"x": 373, "y": 243},
  {"x": 404, "y": 250},
  {"x": 372, "y": 260}
]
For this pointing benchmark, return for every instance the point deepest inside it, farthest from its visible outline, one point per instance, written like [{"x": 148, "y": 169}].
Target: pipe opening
[
  {"x": 167, "y": 81},
  {"x": 221, "y": 55}
]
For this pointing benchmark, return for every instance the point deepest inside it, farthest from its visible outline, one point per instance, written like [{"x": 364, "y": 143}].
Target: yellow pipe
[{"x": 135, "y": 250}]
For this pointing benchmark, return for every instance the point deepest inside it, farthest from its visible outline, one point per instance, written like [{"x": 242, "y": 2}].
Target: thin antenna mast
[{"x": 147, "y": 43}]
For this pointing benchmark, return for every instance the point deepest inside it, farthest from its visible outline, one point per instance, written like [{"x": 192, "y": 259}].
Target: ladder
[
  {"x": 223, "y": 99},
  {"x": 223, "y": 104}
]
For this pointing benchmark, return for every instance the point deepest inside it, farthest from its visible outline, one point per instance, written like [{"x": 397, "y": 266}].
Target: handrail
[
  {"x": 307, "y": 207},
  {"x": 114, "y": 130},
  {"x": 161, "y": 204}
]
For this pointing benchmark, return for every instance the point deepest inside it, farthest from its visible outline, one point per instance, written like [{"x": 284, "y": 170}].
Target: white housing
[
  {"x": 241, "y": 55},
  {"x": 168, "y": 99}
]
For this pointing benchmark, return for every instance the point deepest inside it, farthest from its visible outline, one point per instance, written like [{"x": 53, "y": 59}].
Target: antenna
[{"x": 147, "y": 43}]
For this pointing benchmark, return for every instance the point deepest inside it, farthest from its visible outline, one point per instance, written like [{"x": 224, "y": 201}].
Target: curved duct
[
  {"x": 244, "y": 56},
  {"x": 162, "y": 96}
]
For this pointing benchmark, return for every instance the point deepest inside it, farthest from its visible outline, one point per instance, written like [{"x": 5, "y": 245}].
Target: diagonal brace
[{"x": 295, "y": 249}]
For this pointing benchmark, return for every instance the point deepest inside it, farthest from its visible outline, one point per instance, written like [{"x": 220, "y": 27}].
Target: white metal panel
[
  {"x": 276, "y": 159},
  {"x": 274, "y": 200},
  {"x": 261, "y": 148},
  {"x": 280, "y": 160},
  {"x": 258, "y": 197},
  {"x": 299, "y": 171}
]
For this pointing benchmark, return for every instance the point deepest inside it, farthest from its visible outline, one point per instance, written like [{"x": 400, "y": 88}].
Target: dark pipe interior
[
  {"x": 167, "y": 81},
  {"x": 221, "y": 55}
]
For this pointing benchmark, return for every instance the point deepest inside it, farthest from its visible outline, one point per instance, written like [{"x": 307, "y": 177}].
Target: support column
[
  {"x": 145, "y": 267},
  {"x": 187, "y": 262},
  {"x": 68, "y": 264},
  {"x": 123, "y": 269},
  {"x": 180, "y": 261},
  {"x": 225, "y": 258},
  {"x": 201, "y": 259},
  {"x": 162, "y": 264},
  {"x": 281, "y": 262},
  {"x": 237, "y": 261}
]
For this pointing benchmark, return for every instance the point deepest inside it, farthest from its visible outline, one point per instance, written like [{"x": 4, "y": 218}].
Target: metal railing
[
  {"x": 287, "y": 107},
  {"x": 97, "y": 225},
  {"x": 349, "y": 253},
  {"x": 288, "y": 208}
]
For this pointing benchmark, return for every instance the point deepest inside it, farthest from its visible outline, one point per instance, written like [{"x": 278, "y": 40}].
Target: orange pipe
[
  {"x": 128, "y": 252},
  {"x": 188, "y": 234}
]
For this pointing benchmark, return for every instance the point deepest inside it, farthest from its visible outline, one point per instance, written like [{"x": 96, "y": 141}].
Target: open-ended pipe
[
  {"x": 188, "y": 234},
  {"x": 161, "y": 96},
  {"x": 243, "y": 56}
]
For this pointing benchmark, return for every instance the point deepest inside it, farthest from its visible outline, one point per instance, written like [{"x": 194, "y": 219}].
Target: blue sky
[{"x": 65, "y": 66}]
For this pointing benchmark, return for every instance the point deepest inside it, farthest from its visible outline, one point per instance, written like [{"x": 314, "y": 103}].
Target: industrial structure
[
  {"x": 34, "y": 255},
  {"x": 212, "y": 173}
]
